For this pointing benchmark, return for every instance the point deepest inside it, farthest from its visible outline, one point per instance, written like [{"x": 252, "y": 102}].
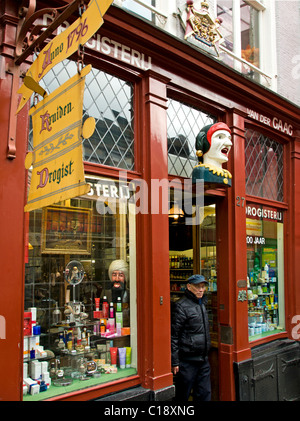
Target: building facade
[{"x": 153, "y": 86}]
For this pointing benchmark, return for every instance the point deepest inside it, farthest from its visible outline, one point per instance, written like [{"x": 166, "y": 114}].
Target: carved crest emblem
[{"x": 201, "y": 26}]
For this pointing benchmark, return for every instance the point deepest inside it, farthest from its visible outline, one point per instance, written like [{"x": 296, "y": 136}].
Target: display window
[
  {"x": 80, "y": 327},
  {"x": 264, "y": 166},
  {"x": 265, "y": 268}
]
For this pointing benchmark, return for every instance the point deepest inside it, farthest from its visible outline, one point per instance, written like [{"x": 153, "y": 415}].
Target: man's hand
[{"x": 175, "y": 369}]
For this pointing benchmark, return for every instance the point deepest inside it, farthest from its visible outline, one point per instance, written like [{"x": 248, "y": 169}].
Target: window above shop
[
  {"x": 141, "y": 8},
  {"x": 145, "y": 8},
  {"x": 244, "y": 46},
  {"x": 240, "y": 29}
]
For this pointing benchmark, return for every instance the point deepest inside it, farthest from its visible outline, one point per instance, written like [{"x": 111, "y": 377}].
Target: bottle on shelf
[
  {"x": 119, "y": 315},
  {"x": 56, "y": 315},
  {"x": 102, "y": 327},
  {"x": 119, "y": 304},
  {"x": 266, "y": 269},
  {"x": 105, "y": 307},
  {"x": 111, "y": 311}
]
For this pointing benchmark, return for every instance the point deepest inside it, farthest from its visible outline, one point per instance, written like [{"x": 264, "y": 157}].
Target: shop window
[
  {"x": 264, "y": 166},
  {"x": 265, "y": 267},
  {"x": 183, "y": 125},
  {"x": 110, "y": 101},
  {"x": 80, "y": 323}
]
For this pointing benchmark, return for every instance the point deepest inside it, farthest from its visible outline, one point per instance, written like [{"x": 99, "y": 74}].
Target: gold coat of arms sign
[{"x": 201, "y": 26}]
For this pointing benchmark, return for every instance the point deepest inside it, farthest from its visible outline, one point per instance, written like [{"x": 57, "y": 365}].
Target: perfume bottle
[
  {"x": 52, "y": 370},
  {"x": 61, "y": 343},
  {"x": 56, "y": 316}
]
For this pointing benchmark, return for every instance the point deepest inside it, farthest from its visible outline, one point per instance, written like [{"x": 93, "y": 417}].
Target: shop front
[{"x": 90, "y": 281}]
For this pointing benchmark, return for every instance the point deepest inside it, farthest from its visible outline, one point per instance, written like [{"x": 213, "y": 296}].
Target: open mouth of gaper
[{"x": 225, "y": 151}]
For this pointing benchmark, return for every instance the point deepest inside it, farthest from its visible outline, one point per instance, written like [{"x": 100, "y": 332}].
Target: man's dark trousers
[{"x": 193, "y": 376}]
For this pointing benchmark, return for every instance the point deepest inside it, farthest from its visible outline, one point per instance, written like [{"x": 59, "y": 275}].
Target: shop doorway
[{"x": 192, "y": 249}]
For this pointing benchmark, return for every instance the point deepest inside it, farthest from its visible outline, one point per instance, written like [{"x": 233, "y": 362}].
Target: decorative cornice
[{"x": 6, "y": 18}]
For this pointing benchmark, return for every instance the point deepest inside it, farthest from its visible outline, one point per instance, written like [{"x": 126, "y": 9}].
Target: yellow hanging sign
[
  {"x": 56, "y": 160},
  {"x": 65, "y": 44}
]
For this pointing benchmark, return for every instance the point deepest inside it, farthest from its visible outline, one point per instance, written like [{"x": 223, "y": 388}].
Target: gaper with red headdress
[{"x": 213, "y": 145}]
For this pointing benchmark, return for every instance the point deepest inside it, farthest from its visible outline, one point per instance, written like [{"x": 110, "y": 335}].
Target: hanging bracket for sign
[
  {"x": 31, "y": 36},
  {"x": 28, "y": 38},
  {"x": 65, "y": 43}
]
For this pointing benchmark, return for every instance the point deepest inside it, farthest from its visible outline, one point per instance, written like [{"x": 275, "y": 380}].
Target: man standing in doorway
[{"x": 190, "y": 341}]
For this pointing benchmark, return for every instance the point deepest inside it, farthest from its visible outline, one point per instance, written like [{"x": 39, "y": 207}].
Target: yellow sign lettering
[
  {"x": 65, "y": 44},
  {"x": 57, "y": 167}
]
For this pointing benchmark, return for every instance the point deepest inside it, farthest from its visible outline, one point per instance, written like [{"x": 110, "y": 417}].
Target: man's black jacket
[{"x": 190, "y": 337}]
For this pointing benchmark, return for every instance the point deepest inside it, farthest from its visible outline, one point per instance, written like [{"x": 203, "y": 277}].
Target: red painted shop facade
[{"x": 150, "y": 94}]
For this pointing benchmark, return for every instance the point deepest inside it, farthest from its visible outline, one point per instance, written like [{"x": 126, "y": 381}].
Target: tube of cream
[
  {"x": 97, "y": 302},
  {"x": 128, "y": 356},
  {"x": 97, "y": 312},
  {"x": 122, "y": 354},
  {"x": 113, "y": 356}
]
